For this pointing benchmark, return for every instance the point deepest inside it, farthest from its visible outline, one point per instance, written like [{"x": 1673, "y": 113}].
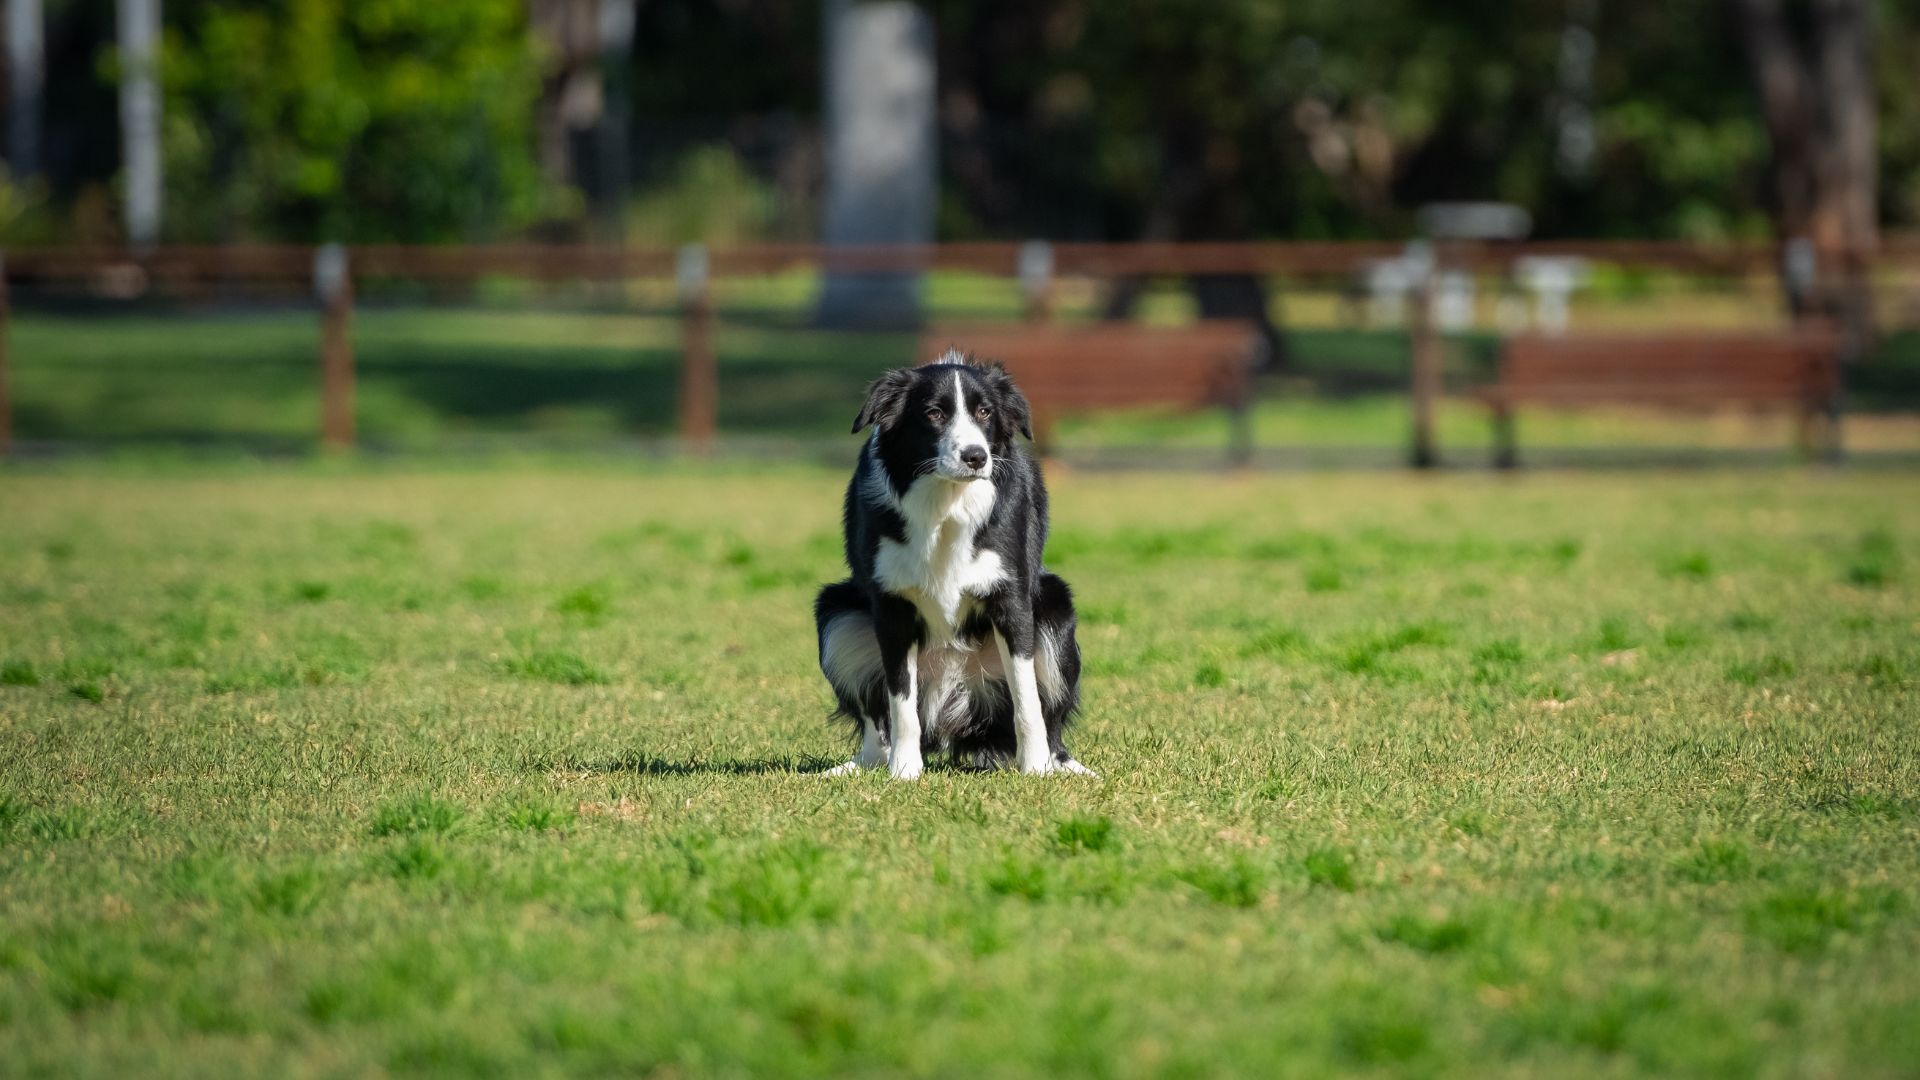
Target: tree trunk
[
  {"x": 1183, "y": 211},
  {"x": 1816, "y": 96},
  {"x": 616, "y": 26}
]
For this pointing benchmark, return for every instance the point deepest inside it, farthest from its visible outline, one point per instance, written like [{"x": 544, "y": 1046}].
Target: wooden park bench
[
  {"x": 1066, "y": 369},
  {"x": 1788, "y": 370}
]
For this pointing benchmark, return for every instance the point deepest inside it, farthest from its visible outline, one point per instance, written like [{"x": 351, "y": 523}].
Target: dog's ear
[
  {"x": 1011, "y": 401},
  {"x": 886, "y": 400}
]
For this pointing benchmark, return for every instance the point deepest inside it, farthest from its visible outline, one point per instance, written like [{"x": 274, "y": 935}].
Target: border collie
[{"x": 949, "y": 637}]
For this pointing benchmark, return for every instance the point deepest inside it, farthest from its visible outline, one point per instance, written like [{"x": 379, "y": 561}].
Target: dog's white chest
[{"x": 937, "y": 566}]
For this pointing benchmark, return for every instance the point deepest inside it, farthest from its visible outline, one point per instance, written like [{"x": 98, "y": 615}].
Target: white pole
[
  {"x": 882, "y": 179},
  {"x": 140, "y": 118},
  {"x": 27, "y": 76}
]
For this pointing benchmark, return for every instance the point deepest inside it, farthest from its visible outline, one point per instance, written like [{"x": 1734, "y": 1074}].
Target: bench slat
[
  {"x": 1746, "y": 367},
  {"x": 1077, "y": 368},
  {"x": 1068, "y": 368},
  {"x": 1692, "y": 371}
]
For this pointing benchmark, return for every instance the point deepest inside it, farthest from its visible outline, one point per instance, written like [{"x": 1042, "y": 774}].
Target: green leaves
[{"x": 405, "y": 120}]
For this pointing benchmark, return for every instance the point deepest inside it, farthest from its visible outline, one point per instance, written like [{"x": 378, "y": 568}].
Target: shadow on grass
[
  {"x": 158, "y": 380},
  {"x": 648, "y": 765}
]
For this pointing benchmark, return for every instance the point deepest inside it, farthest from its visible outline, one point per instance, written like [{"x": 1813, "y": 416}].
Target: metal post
[
  {"x": 6, "y": 398},
  {"x": 699, "y": 368},
  {"x": 333, "y": 284},
  {"x": 1036, "y": 279},
  {"x": 1506, "y": 452},
  {"x": 1833, "y": 448}
]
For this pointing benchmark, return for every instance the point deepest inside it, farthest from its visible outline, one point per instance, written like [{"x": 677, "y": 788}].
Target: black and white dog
[{"x": 949, "y": 637}]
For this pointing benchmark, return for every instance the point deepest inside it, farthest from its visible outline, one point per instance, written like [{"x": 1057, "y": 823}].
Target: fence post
[
  {"x": 699, "y": 369},
  {"x": 1427, "y": 348},
  {"x": 333, "y": 284},
  {"x": 6, "y": 398},
  {"x": 1036, "y": 279}
]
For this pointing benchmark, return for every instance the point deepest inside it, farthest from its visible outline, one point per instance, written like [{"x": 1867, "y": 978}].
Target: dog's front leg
[
  {"x": 1013, "y": 633},
  {"x": 903, "y": 710},
  {"x": 899, "y": 632}
]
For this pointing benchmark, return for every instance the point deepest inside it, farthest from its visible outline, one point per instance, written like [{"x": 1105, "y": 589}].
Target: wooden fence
[{"x": 331, "y": 271}]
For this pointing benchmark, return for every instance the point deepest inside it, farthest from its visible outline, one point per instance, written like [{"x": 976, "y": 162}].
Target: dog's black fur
[{"x": 915, "y": 424}]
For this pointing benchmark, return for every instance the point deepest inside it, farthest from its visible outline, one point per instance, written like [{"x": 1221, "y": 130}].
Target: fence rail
[
  {"x": 331, "y": 272},
  {"x": 289, "y": 262}
]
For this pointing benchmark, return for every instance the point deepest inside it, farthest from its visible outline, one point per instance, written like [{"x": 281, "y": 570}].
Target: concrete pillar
[
  {"x": 882, "y": 178},
  {"x": 140, "y": 118},
  {"x": 26, "y": 78}
]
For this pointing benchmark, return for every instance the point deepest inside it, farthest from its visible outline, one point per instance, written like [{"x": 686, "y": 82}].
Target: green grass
[{"x": 390, "y": 769}]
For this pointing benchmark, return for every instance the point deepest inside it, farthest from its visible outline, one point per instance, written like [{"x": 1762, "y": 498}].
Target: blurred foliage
[
  {"x": 1899, "y": 58},
  {"x": 23, "y": 217},
  {"x": 349, "y": 119},
  {"x": 1341, "y": 117},
  {"x": 712, "y": 197},
  {"x": 1112, "y": 119}
]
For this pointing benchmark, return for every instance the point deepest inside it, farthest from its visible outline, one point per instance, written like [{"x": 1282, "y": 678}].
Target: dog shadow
[
  {"x": 637, "y": 764},
  {"x": 647, "y": 765}
]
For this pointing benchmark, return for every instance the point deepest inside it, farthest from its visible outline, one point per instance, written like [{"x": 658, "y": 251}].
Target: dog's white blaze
[
  {"x": 937, "y": 567},
  {"x": 962, "y": 433},
  {"x": 903, "y": 757},
  {"x": 1031, "y": 753}
]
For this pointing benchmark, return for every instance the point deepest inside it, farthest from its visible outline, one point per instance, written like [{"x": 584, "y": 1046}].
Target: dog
[{"x": 949, "y": 637}]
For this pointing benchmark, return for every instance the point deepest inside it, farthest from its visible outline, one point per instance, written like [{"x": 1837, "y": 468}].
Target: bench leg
[
  {"x": 1240, "y": 436},
  {"x": 1505, "y": 454},
  {"x": 1835, "y": 451}
]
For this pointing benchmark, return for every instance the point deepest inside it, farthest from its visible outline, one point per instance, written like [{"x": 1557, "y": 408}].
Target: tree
[
  {"x": 1813, "y": 72},
  {"x": 340, "y": 120}
]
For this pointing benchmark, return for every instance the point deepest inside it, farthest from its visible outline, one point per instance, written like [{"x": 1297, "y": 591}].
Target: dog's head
[{"x": 952, "y": 418}]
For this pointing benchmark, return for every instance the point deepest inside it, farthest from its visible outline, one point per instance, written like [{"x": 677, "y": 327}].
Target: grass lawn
[{"x": 343, "y": 770}]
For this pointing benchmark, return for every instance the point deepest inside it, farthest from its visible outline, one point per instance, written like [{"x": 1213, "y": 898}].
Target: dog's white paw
[
  {"x": 848, "y": 769},
  {"x": 903, "y": 767},
  {"x": 1056, "y": 767}
]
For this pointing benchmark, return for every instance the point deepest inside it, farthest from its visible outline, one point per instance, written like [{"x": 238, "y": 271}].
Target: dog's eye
[
  {"x": 934, "y": 416},
  {"x": 982, "y": 413}
]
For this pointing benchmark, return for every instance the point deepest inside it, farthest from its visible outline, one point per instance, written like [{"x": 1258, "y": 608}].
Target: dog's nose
[{"x": 974, "y": 457}]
